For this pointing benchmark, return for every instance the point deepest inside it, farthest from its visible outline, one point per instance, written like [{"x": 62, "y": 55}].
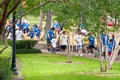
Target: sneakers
[
  {"x": 49, "y": 49},
  {"x": 76, "y": 55},
  {"x": 61, "y": 53},
  {"x": 81, "y": 54},
  {"x": 86, "y": 51},
  {"x": 89, "y": 53}
]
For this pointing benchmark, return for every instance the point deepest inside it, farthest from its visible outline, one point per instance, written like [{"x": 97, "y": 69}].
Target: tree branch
[
  {"x": 42, "y": 4},
  {"x": 6, "y": 45},
  {"x": 3, "y": 19},
  {"x": 14, "y": 7},
  {"x": 3, "y": 2}
]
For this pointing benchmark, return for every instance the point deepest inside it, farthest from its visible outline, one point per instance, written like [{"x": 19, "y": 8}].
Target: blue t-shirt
[
  {"x": 53, "y": 25},
  {"x": 113, "y": 42},
  {"x": 107, "y": 40},
  {"x": 38, "y": 32},
  {"x": 8, "y": 28},
  {"x": 35, "y": 29},
  {"x": 56, "y": 25},
  {"x": 91, "y": 40},
  {"x": 110, "y": 46},
  {"x": 18, "y": 24},
  {"x": 26, "y": 26},
  {"x": 50, "y": 33},
  {"x": 31, "y": 34},
  {"x": 104, "y": 38}
]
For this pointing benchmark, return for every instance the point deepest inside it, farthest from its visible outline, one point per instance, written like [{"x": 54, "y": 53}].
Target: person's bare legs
[
  {"x": 61, "y": 50},
  {"x": 89, "y": 51}
]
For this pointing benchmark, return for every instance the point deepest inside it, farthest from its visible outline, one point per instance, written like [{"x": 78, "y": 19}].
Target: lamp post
[{"x": 14, "y": 69}]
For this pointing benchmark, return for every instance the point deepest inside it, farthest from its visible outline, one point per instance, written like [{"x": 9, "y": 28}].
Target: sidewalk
[{"x": 85, "y": 55}]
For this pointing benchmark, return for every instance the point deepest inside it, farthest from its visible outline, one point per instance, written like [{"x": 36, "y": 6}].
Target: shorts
[
  {"x": 109, "y": 53},
  {"x": 63, "y": 47},
  {"x": 91, "y": 46},
  {"x": 78, "y": 47},
  {"x": 103, "y": 48},
  {"x": 48, "y": 41}
]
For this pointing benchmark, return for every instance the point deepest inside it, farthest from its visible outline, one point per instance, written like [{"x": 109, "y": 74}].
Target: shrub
[
  {"x": 5, "y": 64},
  {"x": 25, "y": 51},
  {"x": 24, "y": 44}
]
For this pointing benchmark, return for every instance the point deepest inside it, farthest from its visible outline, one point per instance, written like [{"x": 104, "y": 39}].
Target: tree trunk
[
  {"x": 113, "y": 58},
  {"x": 101, "y": 65},
  {"x": 114, "y": 55},
  {"x": 48, "y": 23},
  {"x": 41, "y": 19},
  {"x": 69, "y": 55},
  {"x": 1, "y": 38}
]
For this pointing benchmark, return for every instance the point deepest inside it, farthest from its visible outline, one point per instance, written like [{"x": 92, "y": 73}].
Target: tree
[
  {"x": 8, "y": 6},
  {"x": 70, "y": 12}
]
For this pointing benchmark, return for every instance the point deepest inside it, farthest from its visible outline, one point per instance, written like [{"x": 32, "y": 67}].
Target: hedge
[
  {"x": 28, "y": 51},
  {"x": 24, "y": 44},
  {"x": 5, "y": 64}
]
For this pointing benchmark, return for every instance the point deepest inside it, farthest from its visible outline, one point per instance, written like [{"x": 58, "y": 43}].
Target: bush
[
  {"x": 5, "y": 64},
  {"x": 24, "y": 44},
  {"x": 26, "y": 51}
]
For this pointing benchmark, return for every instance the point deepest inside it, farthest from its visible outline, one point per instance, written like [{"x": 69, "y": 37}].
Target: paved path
[{"x": 86, "y": 55}]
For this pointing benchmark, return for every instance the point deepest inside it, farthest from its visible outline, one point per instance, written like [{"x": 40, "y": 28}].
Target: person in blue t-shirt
[
  {"x": 22, "y": 25},
  {"x": 50, "y": 35},
  {"x": 26, "y": 27},
  {"x": 31, "y": 34},
  {"x": 104, "y": 38},
  {"x": 38, "y": 34},
  {"x": 113, "y": 42},
  {"x": 110, "y": 48},
  {"x": 35, "y": 29},
  {"x": 91, "y": 43}
]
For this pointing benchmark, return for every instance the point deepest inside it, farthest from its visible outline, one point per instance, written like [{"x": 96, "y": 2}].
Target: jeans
[{"x": 54, "y": 50}]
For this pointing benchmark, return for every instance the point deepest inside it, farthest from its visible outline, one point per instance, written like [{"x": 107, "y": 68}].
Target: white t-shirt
[
  {"x": 19, "y": 35},
  {"x": 54, "y": 42},
  {"x": 63, "y": 39},
  {"x": 79, "y": 39}
]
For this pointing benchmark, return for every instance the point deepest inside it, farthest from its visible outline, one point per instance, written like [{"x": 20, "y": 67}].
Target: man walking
[{"x": 78, "y": 39}]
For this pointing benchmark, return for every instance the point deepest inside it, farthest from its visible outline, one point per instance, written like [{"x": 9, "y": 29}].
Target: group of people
[
  {"x": 107, "y": 44},
  {"x": 53, "y": 43},
  {"x": 85, "y": 42},
  {"x": 22, "y": 29}
]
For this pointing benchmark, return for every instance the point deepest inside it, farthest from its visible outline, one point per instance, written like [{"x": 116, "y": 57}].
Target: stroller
[{"x": 97, "y": 52}]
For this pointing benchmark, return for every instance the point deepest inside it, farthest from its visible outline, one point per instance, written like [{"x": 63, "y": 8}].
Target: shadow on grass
[{"x": 71, "y": 77}]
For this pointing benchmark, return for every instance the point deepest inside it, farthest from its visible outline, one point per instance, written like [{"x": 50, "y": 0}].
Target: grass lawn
[{"x": 53, "y": 67}]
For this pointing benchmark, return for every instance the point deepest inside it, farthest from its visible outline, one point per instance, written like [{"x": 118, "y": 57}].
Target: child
[
  {"x": 31, "y": 34},
  {"x": 54, "y": 44},
  {"x": 110, "y": 47},
  {"x": 64, "y": 42},
  {"x": 86, "y": 42}
]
